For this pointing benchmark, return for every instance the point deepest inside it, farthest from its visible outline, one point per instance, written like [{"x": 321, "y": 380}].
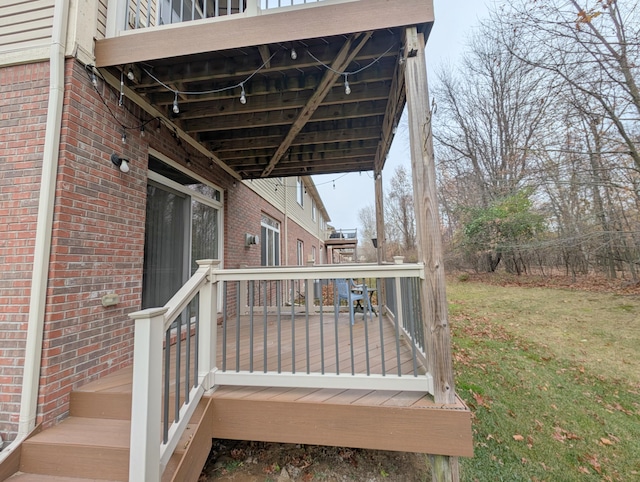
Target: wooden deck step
[
  {"x": 22, "y": 477},
  {"x": 107, "y": 405},
  {"x": 80, "y": 447}
]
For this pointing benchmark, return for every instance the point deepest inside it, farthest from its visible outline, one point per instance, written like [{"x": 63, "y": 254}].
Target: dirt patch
[{"x": 243, "y": 461}]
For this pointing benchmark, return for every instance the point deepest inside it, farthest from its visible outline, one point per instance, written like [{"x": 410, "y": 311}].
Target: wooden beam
[
  {"x": 275, "y": 102},
  {"x": 152, "y": 111},
  {"x": 310, "y": 151},
  {"x": 279, "y": 26},
  {"x": 257, "y": 120},
  {"x": 341, "y": 62},
  {"x": 221, "y": 147},
  {"x": 341, "y": 128},
  {"x": 432, "y": 289},
  {"x": 265, "y": 55}
]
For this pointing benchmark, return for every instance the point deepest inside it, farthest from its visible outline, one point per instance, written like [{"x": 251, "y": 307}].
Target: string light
[
  {"x": 130, "y": 75},
  {"x": 243, "y": 95},
  {"x": 142, "y": 133},
  {"x": 94, "y": 79},
  {"x": 176, "y": 109},
  {"x": 121, "y": 101},
  {"x": 124, "y": 136}
]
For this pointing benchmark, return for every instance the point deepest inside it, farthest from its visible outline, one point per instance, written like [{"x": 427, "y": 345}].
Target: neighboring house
[{"x": 131, "y": 149}]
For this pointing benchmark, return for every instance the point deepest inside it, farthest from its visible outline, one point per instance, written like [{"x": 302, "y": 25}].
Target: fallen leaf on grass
[
  {"x": 606, "y": 441},
  {"x": 518, "y": 438},
  {"x": 480, "y": 400},
  {"x": 592, "y": 460}
]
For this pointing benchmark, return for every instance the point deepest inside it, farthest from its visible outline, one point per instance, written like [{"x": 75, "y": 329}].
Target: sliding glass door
[{"x": 182, "y": 226}]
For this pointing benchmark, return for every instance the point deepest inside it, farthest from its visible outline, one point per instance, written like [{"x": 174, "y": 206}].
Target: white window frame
[
  {"x": 300, "y": 252},
  {"x": 271, "y": 224},
  {"x": 300, "y": 191}
]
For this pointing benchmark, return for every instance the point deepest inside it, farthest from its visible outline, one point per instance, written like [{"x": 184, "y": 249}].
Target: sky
[{"x": 454, "y": 20}]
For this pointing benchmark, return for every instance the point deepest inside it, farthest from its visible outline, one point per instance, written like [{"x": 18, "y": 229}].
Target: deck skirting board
[{"x": 430, "y": 430}]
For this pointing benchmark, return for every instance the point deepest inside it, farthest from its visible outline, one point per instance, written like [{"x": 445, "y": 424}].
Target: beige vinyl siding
[
  {"x": 145, "y": 18},
  {"x": 301, "y": 214},
  {"x": 266, "y": 188},
  {"x": 102, "y": 19},
  {"x": 25, "y": 24}
]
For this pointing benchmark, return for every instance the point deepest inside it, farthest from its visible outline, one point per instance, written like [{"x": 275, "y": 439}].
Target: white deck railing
[
  {"x": 281, "y": 327},
  {"x": 135, "y": 14}
]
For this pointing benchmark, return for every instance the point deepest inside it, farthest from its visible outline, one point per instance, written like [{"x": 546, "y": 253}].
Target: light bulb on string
[
  {"x": 294, "y": 54},
  {"x": 142, "y": 133},
  {"x": 121, "y": 101},
  {"x": 347, "y": 87},
  {"x": 176, "y": 109},
  {"x": 124, "y": 136},
  {"x": 94, "y": 79},
  {"x": 243, "y": 94},
  {"x": 130, "y": 75}
]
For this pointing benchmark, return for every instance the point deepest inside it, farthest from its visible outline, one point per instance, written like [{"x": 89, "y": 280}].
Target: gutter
[{"x": 44, "y": 227}]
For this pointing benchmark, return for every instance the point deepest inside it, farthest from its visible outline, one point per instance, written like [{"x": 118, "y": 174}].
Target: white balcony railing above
[{"x": 135, "y": 14}]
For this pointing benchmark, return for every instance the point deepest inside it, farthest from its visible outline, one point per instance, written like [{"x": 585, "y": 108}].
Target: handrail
[
  {"x": 328, "y": 271},
  {"x": 153, "y": 338}
]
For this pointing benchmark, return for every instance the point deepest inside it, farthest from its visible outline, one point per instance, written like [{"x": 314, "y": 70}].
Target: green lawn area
[{"x": 553, "y": 379}]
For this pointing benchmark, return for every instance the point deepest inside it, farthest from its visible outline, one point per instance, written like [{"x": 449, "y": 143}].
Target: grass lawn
[{"x": 553, "y": 379}]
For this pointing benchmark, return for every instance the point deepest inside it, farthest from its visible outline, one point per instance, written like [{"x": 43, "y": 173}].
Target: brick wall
[
  {"x": 97, "y": 246},
  {"x": 24, "y": 90},
  {"x": 295, "y": 233},
  {"x": 98, "y": 231}
]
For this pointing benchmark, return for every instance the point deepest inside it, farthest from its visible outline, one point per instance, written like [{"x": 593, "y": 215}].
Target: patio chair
[{"x": 346, "y": 292}]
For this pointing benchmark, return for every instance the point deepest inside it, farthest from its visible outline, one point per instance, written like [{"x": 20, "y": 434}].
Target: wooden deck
[
  {"x": 96, "y": 434},
  {"x": 389, "y": 420}
]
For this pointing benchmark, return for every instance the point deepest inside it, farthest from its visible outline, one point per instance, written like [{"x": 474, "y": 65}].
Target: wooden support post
[
  {"x": 381, "y": 238},
  {"x": 432, "y": 288}
]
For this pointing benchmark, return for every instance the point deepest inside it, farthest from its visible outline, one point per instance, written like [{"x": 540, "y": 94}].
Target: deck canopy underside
[{"x": 313, "y": 106}]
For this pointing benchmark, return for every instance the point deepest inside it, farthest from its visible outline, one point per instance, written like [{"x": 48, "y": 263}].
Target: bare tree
[
  {"x": 594, "y": 50},
  {"x": 489, "y": 114},
  {"x": 399, "y": 212}
]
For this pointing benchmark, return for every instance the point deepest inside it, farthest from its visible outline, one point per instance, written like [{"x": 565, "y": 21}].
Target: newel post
[
  {"x": 208, "y": 313},
  {"x": 146, "y": 397},
  {"x": 432, "y": 288}
]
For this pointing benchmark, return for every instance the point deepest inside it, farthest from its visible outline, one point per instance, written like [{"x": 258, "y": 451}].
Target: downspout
[{"x": 44, "y": 226}]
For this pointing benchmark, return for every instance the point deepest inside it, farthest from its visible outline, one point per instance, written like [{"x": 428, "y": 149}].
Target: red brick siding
[
  {"x": 24, "y": 90},
  {"x": 295, "y": 233}
]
